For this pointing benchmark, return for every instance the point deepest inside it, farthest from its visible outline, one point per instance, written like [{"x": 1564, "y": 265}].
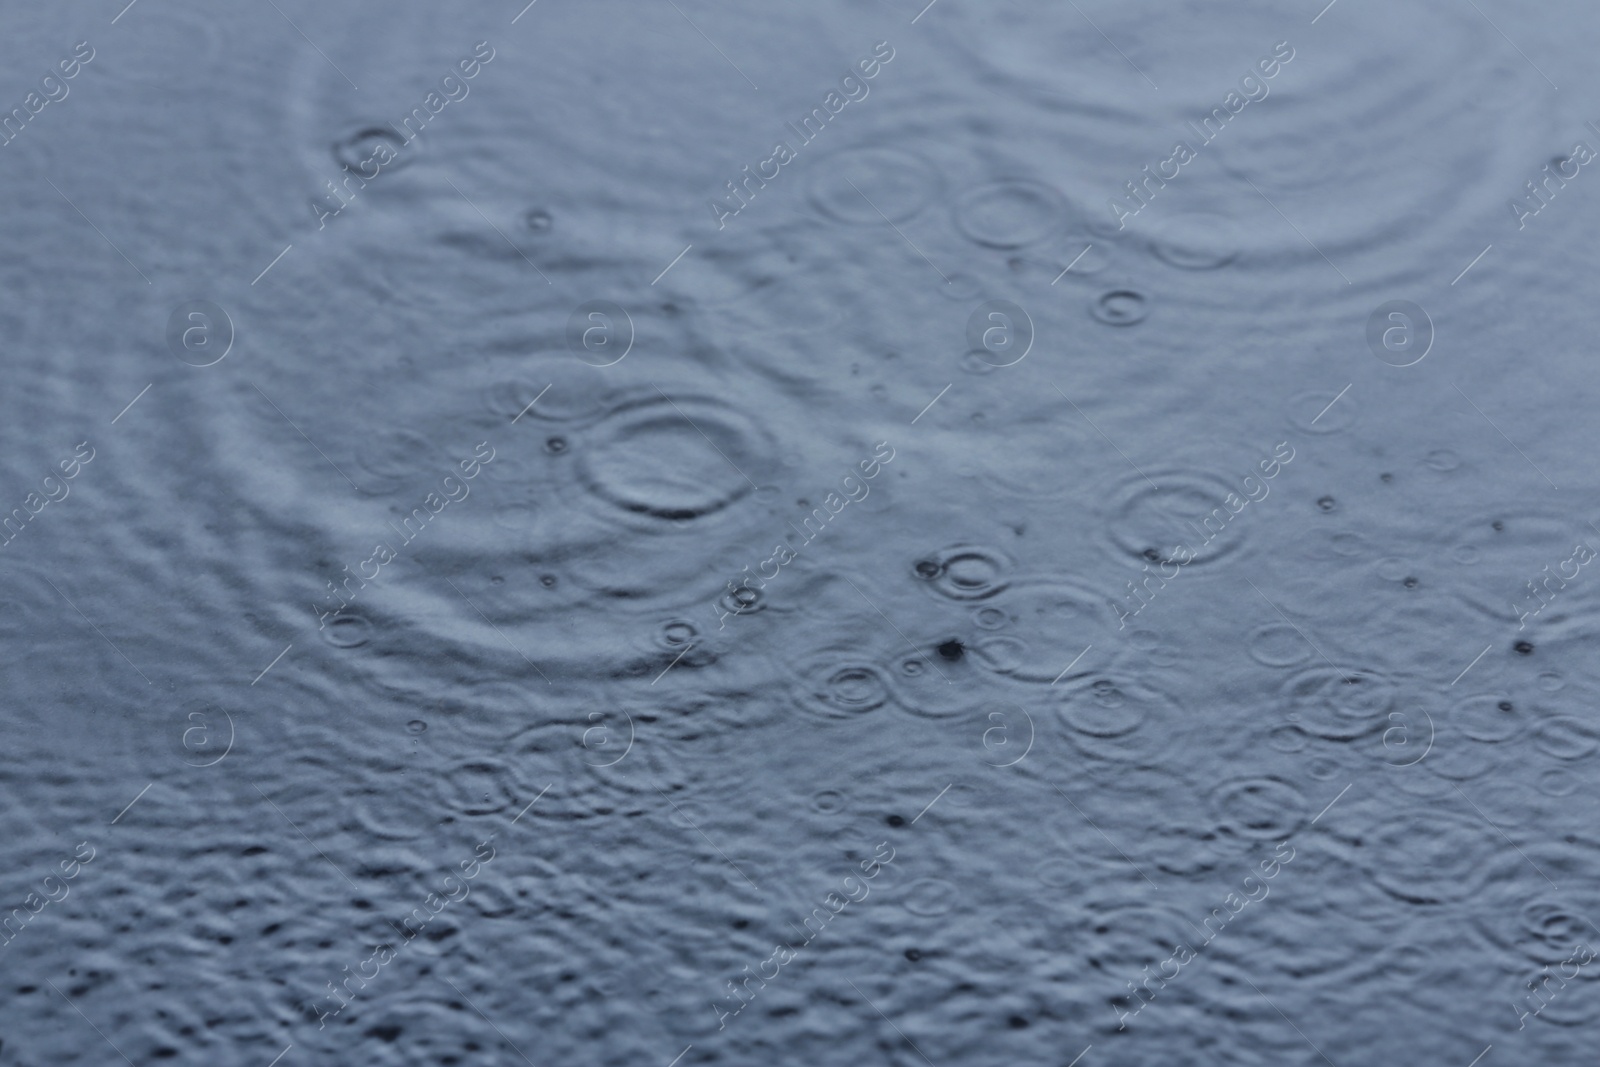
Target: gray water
[{"x": 863, "y": 532}]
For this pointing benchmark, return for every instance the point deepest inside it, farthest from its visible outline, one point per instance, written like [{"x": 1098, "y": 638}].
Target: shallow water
[{"x": 507, "y": 564}]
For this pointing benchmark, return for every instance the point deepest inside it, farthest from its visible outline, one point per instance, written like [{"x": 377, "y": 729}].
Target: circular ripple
[
  {"x": 965, "y": 572},
  {"x": 393, "y": 457},
  {"x": 1117, "y": 720},
  {"x": 654, "y": 458},
  {"x": 1180, "y": 511},
  {"x": 1489, "y": 717},
  {"x": 1565, "y": 737},
  {"x": 1278, "y": 645},
  {"x": 1262, "y": 809},
  {"x": 347, "y": 631},
  {"x": 1120, "y": 307},
  {"x": 1430, "y": 858},
  {"x": 930, "y": 896},
  {"x": 1196, "y": 240},
  {"x": 478, "y": 786},
  {"x": 1311, "y": 412},
  {"x": 898, "y": 183},
  {"x": 1545, "y": 930},
  {"x": 1123, "y": 938},
  {"x": 1339, "y": 705},
  {"x": 839, "y": 684},
  {"x": 1010, "y": 213},
  {"x": 365, "y": 142},
  {"x": 1053, "y": 622}
]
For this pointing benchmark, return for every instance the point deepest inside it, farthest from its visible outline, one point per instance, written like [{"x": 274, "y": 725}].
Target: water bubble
[
  {"x": 416, "y": 726},
  {"x": 537, "y": 220}
]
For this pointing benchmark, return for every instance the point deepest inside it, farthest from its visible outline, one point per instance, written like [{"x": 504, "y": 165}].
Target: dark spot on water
[
  {"x": 555, "y": 445},
  {"x": 1386, "y": 477},
  {"x": 1505, "y": 705},
  {"x": 538, "y": 221},
  {"x": 1017, "y": 1022},
  {"x": 388, "y": 1032},
  {"x": 416, "y": 726},
  {"x": 951, "y": 650},
  {"x": 547, "y": 580},
  {"x": 1326, "y": 503},
  {"x": 927, "y": 569},
  {"x": 912, "y": 954},
  {"x": 895, "y": 820},
  {"x": 1152, "y": 554},
  {"x": 740, "y": 924},
  {"x": 1410, "y": 583},
  {"x": 1499, "y": 527},
  {"x": 1523, "y": 648}
]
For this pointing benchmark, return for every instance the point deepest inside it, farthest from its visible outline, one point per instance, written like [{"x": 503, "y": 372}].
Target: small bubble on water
[
  {"x": 1327, "y": 503},
  {"x": 538, "y": 221},
  {"x": 1524, "y": 648},
  {"x": 416, "y": 726},
  {"x": 555, "y": 445}
]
